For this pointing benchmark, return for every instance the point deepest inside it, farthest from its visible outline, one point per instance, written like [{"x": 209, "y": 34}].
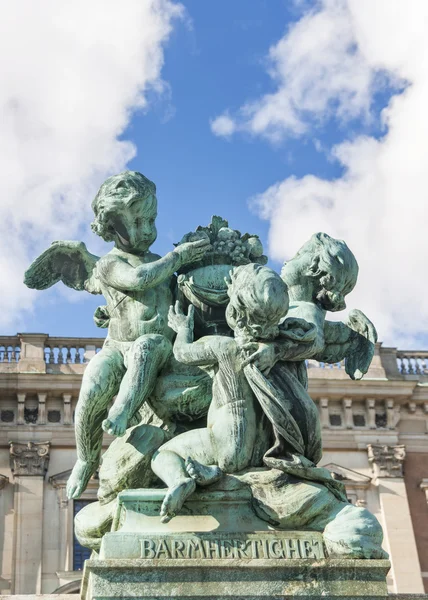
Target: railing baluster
[
  {"x": 412, "y": 362},
  {"x": 68, "y": 355}
]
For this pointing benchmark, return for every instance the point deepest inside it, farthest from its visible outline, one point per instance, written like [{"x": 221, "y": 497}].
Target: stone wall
[{"x": 39, "y": 385}]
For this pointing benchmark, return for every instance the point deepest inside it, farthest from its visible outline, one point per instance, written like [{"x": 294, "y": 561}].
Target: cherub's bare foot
[
  {"x": 175, "y": 498},
  {"x": 203, "y": 475},
  {"x": 116, "y": 422},
  {"x": 79, "y": 478}
]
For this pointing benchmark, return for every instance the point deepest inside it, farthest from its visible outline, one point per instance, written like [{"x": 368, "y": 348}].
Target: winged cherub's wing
[
  {"x": 353, "y": 341},
  {"x": 69, "y": 262}
]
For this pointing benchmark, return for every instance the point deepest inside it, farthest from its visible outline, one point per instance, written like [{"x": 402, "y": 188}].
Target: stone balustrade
[
  {"x": 71, "y": 350},
  {"x": 30, "y": 351},
  {"x": 78, "y": 351},
  {"x": 38, "y": 352},
  {"x": 10, "y": 348},
  {"x": 371, "y": 404},
  {"x": 412, "y": 362},
  {"x": 33, "y": 352}
]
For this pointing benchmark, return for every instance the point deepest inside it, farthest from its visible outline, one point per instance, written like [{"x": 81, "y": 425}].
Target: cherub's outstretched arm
[
  {"x": 185, "y": 349},
  {"x": 124, "y": 277}
]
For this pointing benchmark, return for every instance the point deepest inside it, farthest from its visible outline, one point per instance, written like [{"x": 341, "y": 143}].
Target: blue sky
[
  {"x": 215, "y": 61},
  {"x": 210, "y": 62}
]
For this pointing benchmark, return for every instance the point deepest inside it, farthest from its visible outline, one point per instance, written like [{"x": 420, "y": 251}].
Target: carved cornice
[
  {"x": 31, "y": 458},
  {"x": 386, "y": 461}
]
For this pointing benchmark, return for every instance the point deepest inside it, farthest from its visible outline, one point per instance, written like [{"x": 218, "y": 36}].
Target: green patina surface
[
  {"x": 295, "y": 578},
  {"x": 205, "y": 358}
]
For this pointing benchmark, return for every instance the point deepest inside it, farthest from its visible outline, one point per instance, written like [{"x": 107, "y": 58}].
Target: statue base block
[
  {"x": 217, "y": 547},
  {"x": 249, "y": 579}
]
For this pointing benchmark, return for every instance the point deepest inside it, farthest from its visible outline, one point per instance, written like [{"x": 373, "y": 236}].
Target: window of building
[
  {"x": 335, "y": 420},
  {"x": 54, "y": 416},
  {"x": 380, "y": 420},
  {"x": 80, "y": 554},
  {"x": 7, "y": 416},
  {"x": 359, "y": 420}
]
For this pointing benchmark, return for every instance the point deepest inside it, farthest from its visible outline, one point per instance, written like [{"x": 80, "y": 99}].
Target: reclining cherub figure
[{"x": 136, "y": 285}]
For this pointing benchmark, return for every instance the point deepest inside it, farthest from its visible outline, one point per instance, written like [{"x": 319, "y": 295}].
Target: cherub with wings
[
  {"x": 137, "y": 287},
  {"x": 319, "y": 277}
]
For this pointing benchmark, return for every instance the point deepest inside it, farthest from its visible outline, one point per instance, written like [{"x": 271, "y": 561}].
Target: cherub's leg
[
  {"x": 169, "y": 463},
  {"x": 100, "y": 383},
  {"x": 234, "y": 433},
  {"x": 170, "y": 467},
  {"x": 145, "y": 359},
  {"x": 229, "y": 426}
]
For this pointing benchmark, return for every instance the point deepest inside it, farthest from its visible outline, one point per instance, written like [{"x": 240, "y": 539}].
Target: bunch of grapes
[{"x": 228, "y": 244}]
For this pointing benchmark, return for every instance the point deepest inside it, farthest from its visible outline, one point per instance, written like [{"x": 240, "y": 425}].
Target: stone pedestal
[
  {"x": 216, "y": 548},
  {"x": 249, "y": 579}
]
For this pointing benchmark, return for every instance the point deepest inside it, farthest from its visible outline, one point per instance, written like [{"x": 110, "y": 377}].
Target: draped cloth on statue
[{"x": 295, "y": 423}]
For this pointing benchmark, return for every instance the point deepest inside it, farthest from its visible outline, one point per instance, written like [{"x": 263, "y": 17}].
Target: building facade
[{"x": 375, "y": 438}]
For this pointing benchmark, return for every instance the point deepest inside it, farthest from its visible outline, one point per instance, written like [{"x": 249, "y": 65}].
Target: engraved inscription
[{"x": 195, "y": 547}]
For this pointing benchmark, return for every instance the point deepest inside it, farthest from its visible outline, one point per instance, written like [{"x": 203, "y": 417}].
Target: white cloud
[
  {"x": 379, "y": 205},
  {"x": 223, "y": 126},
  {"x": 310, "y": 68},
  {"x": 71, "y": 73}
]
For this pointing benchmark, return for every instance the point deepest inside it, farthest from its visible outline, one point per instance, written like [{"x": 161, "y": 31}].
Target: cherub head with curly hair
[
  {"x": 125, "y": 209},
  {"x": 323, "y": 271},
  {"x": 258, "y": 302}
]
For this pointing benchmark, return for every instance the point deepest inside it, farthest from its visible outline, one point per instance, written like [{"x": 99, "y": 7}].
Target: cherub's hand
[
  {"x": 263, "y": 356},
  {"x": 178, "y": 320},
  {"x": 191, "y": 252}
]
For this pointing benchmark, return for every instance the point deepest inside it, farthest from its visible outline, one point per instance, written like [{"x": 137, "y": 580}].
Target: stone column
[
  {"x": 59, "y": 483},
  {"x": 371, "y": 413},
  {"x": 41, "y": 418},
  {"x": 29, "y": 463},
  {"x": 6, "y": 558},
  {"x": 391, "y": 415},
  {"x": 347, "y": 411},
  {"x": 387, "y": 464},
  {"x": 67, "y": 409},
  {"x": 21, "y": 408},
  {"x": 324, "y": 416}
]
